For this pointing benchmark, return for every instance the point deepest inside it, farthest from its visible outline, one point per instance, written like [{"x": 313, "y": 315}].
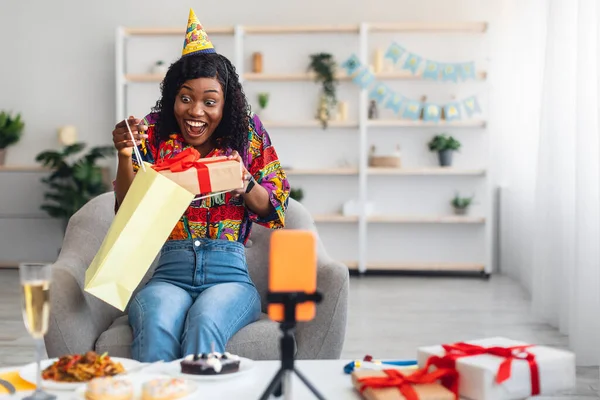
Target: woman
[{"x": 201, "y": 294}]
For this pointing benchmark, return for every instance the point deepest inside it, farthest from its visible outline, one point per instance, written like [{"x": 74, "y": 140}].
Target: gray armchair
[{"x": 80, "y": 322}]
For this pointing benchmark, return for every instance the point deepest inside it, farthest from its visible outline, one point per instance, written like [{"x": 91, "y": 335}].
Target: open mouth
[{"x": 195, "y": 128}]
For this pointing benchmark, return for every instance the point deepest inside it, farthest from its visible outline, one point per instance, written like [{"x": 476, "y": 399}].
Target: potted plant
[
  {"x": 297, "y": 194},
  {"x": 263, "y": 102},
  {"x": 11, "y": 129},
  {"x": 444, "y": 145},
  {"x": 324, "y": 67},
  {"x": 159, "y": 68},
  {"x": 73, "y": 181},
  {"x": 461, "y": 204}
]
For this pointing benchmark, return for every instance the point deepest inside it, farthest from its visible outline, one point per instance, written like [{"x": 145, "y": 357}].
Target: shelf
[
  {"x": 420, "y": 266},
  {"x": 401, "y": 219},
  {"x": 329, "y": 171},
  {"x": 407, "y": 75},
  {"x": 23, "y": 168},
  {"x": 430, "y": 27},
  {"x": 309, "y": 124},
  {"x": 144, "y": 77},
  {"x": 450, "y": 219},
  {"x": 422, "y": 27},
  {"x": 301, "y": 29},
  {"x": 289, "y": 77},
  {"x": 425, "y": 171},
  {"x": 335, "y": 218},
  {"x": 407, "y": 123},
  {"x": 227, "y": 30}
]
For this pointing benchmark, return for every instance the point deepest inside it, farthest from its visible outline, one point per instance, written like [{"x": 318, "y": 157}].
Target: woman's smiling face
[{"x": 198, "y": 111}]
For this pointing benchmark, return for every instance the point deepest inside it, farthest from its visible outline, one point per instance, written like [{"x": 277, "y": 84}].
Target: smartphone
[{"x": 293, "y": 268}]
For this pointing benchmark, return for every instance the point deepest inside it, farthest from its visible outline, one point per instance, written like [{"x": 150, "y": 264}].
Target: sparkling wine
[{"x": 36, "y": 306}]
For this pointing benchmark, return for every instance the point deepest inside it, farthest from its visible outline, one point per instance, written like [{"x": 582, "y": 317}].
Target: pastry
[
  {"x": 109, "y": 388},
  {"x": 165, "y": 389},
  {"x": 210, "y": 364}
]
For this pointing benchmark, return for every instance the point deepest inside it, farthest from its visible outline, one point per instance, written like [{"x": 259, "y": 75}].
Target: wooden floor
[{"x": 388, "y": 317}]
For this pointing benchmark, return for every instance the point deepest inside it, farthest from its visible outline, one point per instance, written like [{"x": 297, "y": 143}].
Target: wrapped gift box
[
  {"x": 478, "y": 373},
  {"x": 202, "y": 175},
  {"x": 427, "y": 391}
]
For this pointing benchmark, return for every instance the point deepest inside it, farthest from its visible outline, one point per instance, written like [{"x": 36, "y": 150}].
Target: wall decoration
[
  {"x": 394, "y": 52},
  {"x": 343, "y": 111},
  {"x": 159, "y": 68},
  {"x": 432, "y": 112},
  {"x": 394, "y": 102},
  {"x": 410, "y": 108},
  {"x": 432, "y": 69},
  {"x": 413, "y": 109},
  {"x": 471, "y": 105},
  {"x": 412, "y": 63}
]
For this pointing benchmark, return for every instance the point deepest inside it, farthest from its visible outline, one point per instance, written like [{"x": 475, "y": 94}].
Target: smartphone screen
[{"x": 293, "y": 268}]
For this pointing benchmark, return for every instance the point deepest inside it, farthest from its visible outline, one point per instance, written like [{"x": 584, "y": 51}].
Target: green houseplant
[
  {"x": 297, "y": 194},
  {"x": 263, "y": 102},
  {"x": 324, "y": 67},
  {"x": 74, "y": 180},
  {"x": 461, "y": 204},
  {"x": 11, "y": 129},
  {"x": 444, "y": 145}
]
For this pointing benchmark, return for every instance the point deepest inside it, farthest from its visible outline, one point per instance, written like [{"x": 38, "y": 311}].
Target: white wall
[{"x": 62, "y": 72}]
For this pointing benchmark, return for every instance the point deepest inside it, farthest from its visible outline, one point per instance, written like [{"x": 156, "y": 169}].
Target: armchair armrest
[
  {"x": 323, "y": 337},
  {"x": 73, "y": 326}
]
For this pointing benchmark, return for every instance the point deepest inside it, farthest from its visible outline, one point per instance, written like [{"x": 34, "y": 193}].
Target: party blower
[{"x": 292, "y": 298}]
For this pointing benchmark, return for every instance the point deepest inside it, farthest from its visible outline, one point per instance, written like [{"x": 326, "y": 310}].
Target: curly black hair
[{"x": 232, "y": 131}]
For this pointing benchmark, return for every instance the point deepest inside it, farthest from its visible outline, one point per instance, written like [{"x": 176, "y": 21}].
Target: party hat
[{"x": 196, "y": 39}]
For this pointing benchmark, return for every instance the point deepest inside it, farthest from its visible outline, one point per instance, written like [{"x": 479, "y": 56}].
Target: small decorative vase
[
  {"x": 2, "y": 156},
  {"x": 460, "y": 211},
  {"x": 445, "y": 158},
  {"x": 257, "y": 63},
  {"x": 159, "y": 68}
]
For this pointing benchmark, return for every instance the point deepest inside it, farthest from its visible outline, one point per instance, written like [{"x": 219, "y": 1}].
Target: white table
[{"x": 326, "y": 375}]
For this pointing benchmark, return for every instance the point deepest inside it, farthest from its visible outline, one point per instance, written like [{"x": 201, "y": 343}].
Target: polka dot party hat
[{"x": 196, "y": 39}]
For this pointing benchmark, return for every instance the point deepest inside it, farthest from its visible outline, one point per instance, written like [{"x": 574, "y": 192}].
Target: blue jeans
[{"x": 199, "y": 295}]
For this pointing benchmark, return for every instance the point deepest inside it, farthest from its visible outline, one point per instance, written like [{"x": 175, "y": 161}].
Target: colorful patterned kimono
[{"x": 223, "y": 216}]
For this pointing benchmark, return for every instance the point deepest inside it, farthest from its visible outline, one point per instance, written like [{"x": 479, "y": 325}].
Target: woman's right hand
[{"x": 122, "y": 139}]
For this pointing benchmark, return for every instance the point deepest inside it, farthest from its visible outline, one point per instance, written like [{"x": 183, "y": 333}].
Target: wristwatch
[{"x": 251, "y": 183}]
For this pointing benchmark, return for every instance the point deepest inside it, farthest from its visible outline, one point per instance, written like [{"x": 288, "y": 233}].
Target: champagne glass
[{"x": 35, "y": 294}]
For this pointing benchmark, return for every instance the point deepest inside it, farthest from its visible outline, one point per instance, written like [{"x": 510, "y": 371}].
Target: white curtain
[{"x": 551, "y": 223}]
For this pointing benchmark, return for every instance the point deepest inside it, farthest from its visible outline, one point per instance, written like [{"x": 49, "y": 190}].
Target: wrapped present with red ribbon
[
  {"x": 201, "y": 175},
  {"x": 405, "y": 384},
  {"x": 502, "y": 369}
]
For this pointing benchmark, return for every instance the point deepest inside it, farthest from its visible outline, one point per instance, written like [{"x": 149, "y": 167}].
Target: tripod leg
[
  {"x": 309, "y": 385},
  {"x": 275, "y": 383}
]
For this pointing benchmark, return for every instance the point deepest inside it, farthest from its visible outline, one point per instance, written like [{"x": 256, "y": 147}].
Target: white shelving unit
[{"x": 358, "y": 178}]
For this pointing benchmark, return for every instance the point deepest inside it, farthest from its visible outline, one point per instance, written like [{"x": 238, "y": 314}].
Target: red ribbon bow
[
  {"x": 189, "y": 158},
  {"x": 461, "y": 349},
  {"x": 405, "y": 383}
]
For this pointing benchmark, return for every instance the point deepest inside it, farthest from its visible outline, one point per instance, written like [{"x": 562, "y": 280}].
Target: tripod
[{"x": 289, "y": 300}]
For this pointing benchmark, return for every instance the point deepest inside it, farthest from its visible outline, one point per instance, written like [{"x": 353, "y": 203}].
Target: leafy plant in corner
[
  {"x": 444, "y": 145},
  {"x": 11, "y": 129},
  {"x": 297, "y": 194},
  {"x": 324, "y": 67},
  {"x": 73, "y": 181}
]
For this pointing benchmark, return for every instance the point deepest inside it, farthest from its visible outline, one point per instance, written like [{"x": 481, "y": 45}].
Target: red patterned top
[{"x": 222, "y": 216}]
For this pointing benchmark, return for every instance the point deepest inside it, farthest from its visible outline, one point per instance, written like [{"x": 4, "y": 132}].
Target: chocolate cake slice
[{"x": 210, "y": 364}]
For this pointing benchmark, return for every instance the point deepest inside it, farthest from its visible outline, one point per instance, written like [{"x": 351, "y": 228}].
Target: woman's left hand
[{"x": 245, "y": 174}]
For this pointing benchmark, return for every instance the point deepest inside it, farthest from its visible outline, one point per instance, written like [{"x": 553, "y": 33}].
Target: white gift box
[{"x": 477, "y": 374}]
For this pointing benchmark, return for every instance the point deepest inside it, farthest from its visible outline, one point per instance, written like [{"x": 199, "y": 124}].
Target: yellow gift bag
[{"x": 143, "y": 223}]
